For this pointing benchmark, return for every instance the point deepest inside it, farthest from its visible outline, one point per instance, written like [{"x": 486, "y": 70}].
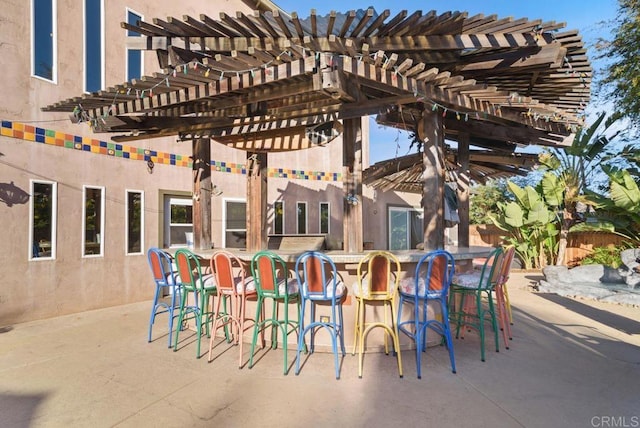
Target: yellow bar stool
[{"x": 378, "y": 279}]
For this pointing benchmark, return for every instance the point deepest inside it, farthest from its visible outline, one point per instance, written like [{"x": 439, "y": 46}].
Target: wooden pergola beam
[{"x": 409, "y": 43}]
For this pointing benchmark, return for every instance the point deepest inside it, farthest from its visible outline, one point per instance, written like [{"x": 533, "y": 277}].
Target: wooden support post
[
  {"x": 352, "y": 185},
  {"x": 202, "y": 193},
  {"x": 256, "y": 201},
  {"x": 431, "y": 132},
  {"x": 464, "y": 184}
]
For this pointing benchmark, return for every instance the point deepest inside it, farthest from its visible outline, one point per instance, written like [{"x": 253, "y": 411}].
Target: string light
[{"x": 435, "y": 106}]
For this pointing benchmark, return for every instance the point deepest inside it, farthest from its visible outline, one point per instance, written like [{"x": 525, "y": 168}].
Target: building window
[
  {"x": 43, "y": 39},
  {"x": 93, "y": 45},
  {"x": 405, "y": 228},
  {"x": 325, "y": 217},
  {"x": 135, "y": 221},
  {"x": 178, "y": 221},
  {"x": 43, "y": 220},
  {"x": 235, "y": 224},
  {"x": 93, "y": 215},
  {"x": 134, "y": 56},
  {"x": 278, "y": 217},
  {"x": 301, "y": 224}
]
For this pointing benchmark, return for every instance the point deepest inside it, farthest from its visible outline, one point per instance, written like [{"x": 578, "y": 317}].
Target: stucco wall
[
  {"x": 72, "y": 283},
  {"x": 47, "y": 146}
]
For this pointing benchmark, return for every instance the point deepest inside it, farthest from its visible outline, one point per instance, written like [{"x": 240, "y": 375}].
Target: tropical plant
[
  {"x": 606, "y": 256},
  {"x": 530, "y": 225},
  {"x": 622, "y": 206},
  {"x": 570, "y": 170},
  {"x": 484, "y": 200}
]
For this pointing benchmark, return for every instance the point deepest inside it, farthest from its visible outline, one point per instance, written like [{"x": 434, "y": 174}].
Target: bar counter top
[{"x": 405, "y": 256}]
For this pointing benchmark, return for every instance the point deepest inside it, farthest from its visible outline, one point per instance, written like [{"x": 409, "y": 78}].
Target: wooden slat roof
[
  {"x": 260, "y": 81},
  {"x": 404, "y": 173}
]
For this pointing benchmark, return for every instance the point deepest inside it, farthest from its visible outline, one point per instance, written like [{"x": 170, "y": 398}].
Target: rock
[
  {"x": 555, "y": 274},
  {"x": 612, "y": 275},
  {"x": 582, "y": 274},
  {"x": 630, "y": 258},
  {"x": 631, "y": 265},
  {"x": 632, "y": 281},
  {"x": 591, "y": 281}
]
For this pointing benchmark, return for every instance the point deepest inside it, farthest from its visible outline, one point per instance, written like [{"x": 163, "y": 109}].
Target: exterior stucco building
[{"x": 78, "y": 211}]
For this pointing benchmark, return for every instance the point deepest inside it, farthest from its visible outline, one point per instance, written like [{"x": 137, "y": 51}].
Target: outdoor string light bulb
[{"x": 352, "y": 199}]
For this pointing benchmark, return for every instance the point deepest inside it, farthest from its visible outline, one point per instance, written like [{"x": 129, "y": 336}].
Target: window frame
[
  {"x": 102, "y": 220},
  {"x": 328, "y": 205},
  {"x": 407, "y": 210},
  {"x": 127, "y": 222},
  {"x": 225, "y": 201},
  {"x": 166, "y": 222},
  {"x": 275, "y": 216},
  {"x": 54, "y": 43},
  {"x": 54, "y": 220},
  {"x": 84, "y": 47},
  {"x": 306, "y": 217},
  {"x": 130, "y": 33}
]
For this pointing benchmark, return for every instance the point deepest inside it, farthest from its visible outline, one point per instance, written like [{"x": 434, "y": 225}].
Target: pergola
[
  {"x": 404, "y": 174},
  {"x": 267, "y": 82}
]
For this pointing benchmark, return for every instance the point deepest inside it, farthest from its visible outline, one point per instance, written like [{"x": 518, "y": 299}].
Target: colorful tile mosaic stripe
[{"x": 55, "y": 138}]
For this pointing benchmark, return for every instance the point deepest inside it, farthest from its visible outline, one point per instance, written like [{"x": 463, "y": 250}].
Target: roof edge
[{"x": 263, "y": 5}]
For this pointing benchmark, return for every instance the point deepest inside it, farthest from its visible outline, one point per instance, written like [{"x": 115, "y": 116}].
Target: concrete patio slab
[{"x": 572, "y": 363}]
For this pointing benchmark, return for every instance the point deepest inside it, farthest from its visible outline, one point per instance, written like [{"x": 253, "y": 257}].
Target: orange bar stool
[
  {"x": 234, "y": 289},
  {"x": 505, "y": 317}
]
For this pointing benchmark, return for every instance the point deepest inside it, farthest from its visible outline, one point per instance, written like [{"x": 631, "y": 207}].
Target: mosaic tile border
[{"x": 51, "y": 137}]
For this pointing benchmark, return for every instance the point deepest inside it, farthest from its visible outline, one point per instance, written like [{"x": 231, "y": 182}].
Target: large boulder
[
  {"x": 582, "y": 274},
  {"x": 591, "y": 281}
]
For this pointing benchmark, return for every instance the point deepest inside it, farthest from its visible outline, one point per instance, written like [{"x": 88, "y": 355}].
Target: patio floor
[{"x": 571, "y": 363}]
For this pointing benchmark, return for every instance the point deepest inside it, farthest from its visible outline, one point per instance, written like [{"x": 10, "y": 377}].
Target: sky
[{"x": 587, "y": 16}]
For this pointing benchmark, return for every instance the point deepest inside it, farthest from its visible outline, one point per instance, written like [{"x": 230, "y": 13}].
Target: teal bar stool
[
  {"x": 319, "y": 284},
  {"x": 471, "y": 299},
  {"x": 200, "y": 288},
  {"x": 273, "y": 282}
]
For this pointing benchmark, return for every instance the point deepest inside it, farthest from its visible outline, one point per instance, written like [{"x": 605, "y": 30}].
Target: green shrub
[{"x": 607, "y": 256}]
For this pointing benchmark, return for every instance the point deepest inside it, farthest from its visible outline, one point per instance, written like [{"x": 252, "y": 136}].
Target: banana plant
[
  {"x": 530, "y": 225},
  {"x": 622, "y": 206}
]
